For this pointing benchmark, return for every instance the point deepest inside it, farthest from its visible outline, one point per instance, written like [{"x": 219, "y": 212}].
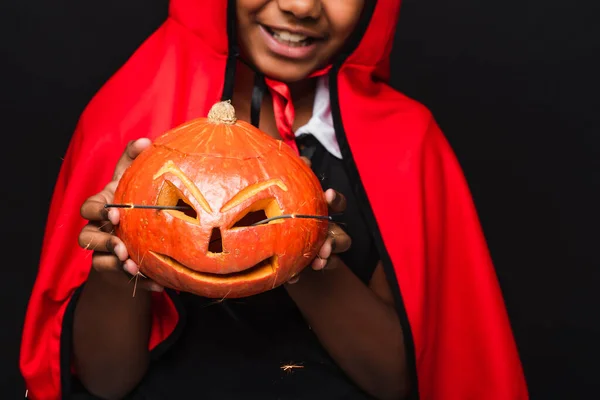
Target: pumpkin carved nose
[{"x": 215, "y": 244}]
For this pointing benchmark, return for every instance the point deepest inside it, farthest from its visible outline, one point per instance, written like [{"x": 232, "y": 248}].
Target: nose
[{"x": 302, "y": 9}]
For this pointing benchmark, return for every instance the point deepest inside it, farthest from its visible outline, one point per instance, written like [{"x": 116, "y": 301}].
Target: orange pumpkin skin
[{"x": 232, "y": 175}]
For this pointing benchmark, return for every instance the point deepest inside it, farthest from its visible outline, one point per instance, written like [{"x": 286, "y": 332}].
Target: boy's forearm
[
  {"x": 111, "y": 330},
  {"x": 361, "y": 332}
]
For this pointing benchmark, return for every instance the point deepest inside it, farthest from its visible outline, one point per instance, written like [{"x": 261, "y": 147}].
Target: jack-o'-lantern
[{"x": 223, "y": 184}]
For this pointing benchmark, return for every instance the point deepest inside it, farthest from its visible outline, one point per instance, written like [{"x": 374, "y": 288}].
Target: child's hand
[
  {"x": 337, "y": 241},
  {"x": 109, "y": 252}
]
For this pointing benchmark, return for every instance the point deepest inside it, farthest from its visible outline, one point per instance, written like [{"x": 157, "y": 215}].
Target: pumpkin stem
[{"x": 222, "y": 113}]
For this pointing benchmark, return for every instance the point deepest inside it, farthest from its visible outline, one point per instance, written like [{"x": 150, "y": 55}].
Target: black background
[{"x": 512, "y": 83}]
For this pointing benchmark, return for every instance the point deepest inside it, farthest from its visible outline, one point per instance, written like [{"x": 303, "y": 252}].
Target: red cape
[{"x": 459, "y": 340}]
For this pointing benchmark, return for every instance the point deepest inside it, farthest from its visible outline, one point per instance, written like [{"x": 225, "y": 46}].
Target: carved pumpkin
[{"x": 231, "y": 175}]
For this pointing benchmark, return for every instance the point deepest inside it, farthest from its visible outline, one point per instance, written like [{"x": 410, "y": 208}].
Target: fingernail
[
  {"x": 131, "y": 267},
  {"x": 332, "y": 195},
  {"x": 144, "y": 141},
  {"x": 319, "y": 264},
  {"x": 113, "y": 216},
  {"x": 120, "y": 251},
  {"x": 155, "y": 287}
]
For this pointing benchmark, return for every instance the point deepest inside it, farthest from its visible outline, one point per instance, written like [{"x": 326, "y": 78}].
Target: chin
[{"x": 284, "y": 71}]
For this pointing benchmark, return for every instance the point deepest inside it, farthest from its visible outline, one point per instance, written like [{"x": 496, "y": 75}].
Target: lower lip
[{"x": 281, "y": 49}]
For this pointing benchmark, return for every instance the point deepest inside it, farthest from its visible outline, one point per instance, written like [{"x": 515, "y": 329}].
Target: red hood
[{"x": 208, "y": 20}]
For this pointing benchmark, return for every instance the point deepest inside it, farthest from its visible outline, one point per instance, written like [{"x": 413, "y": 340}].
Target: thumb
[
  {"x": 306, "y": 160},
  {"x": 133, "y": 149}
]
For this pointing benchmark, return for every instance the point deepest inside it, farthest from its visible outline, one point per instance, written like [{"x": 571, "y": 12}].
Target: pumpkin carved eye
[
  {"x": 170, "y": 195},
  {"x": 258, "y": 211}
]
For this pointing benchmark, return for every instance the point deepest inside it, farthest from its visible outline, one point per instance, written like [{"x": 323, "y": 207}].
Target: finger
[
  {"x": 133, "y": 149},
  {"x": 337, "y": 242},
  {"x": 132, "y": 269},
  {"x": 306, "y": 160},
  {"x": 108, "y": 195},
  {"x": 319, "y": 263},
  {"x": 335, "y": 200},
  {"x": 110, "y": 189},
  {"x": 331, "y": 263},
  {"x": 93, "y": 208},
  {"x": 91, "y": 238},
  {"x": 106, "y": 262},
  {"x": 114, "y": 216},
  {"x": 104, "y": 226}
]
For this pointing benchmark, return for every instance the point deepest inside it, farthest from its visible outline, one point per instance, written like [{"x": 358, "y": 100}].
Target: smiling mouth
[
  {"x": 261, "y": 270},
  {"x": 290, "y": 38}
]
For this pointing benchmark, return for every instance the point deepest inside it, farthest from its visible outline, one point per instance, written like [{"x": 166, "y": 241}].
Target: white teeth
[{"x": 289, "y": 36}]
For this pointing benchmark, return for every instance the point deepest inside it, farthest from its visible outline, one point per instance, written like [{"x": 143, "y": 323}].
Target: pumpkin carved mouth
[{"x": 261, "y": 270}]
